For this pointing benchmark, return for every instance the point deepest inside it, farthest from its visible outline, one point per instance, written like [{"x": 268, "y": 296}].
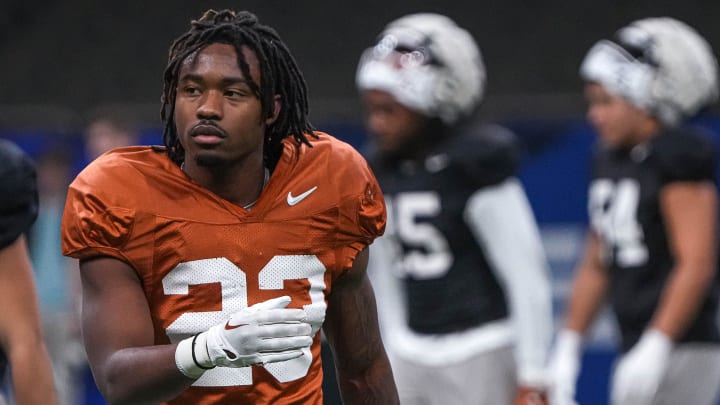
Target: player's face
[
  {"x": 393, "y": 125},
  {"x": 218, "y": 117},
  {"x": 617, "y": 121}
]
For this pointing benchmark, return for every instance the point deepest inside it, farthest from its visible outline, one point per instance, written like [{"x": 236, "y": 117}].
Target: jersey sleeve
[
  {"x": 502, "y": 221},
  {"x": 486, "y": 155},
  {"x": 684, "y": 156},
  {"x": 18, "y": 193},
  {"x": 362, "y": 213},
  {"x": 365, "y": 211},
  {"x": 95, "y": 222}
]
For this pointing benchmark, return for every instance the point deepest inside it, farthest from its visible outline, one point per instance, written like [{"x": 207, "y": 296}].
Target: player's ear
[{"x": 276, "y": 106}]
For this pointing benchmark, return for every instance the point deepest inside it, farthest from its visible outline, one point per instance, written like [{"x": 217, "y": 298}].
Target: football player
[
  {"x": 21, "y": 341},
  {"x": 461, "y": 277},
  {"x": 652, "y": 243},
  {"x": 210, "y": 265}
]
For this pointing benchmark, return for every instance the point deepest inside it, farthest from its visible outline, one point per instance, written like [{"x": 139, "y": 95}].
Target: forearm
[
  {"x": 32, "y": 378},
  {"x": 370, "y": 387},
  {"x": 685, "y": 291},
  {"x": 20, "y": 332},
  {"x": 119, "y": 337},
  {"x": 363, "y": 369},
  {"x": 144, "y": 375},
  {"x": 588, "y": 294},
  {"x": 351, "y": 326},
  {"x": 589, "y": 288}
]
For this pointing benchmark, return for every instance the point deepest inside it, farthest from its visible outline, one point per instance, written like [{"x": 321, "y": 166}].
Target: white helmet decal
[{"x": 429, "y": 64}]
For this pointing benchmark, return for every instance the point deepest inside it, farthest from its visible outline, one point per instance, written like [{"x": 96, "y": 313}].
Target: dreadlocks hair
[{"x": 279, "y": 75}]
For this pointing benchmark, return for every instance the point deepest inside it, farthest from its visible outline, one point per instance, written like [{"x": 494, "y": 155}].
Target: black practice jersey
[
  {"x": 624, "y": 208},
  {"x": 18, "y": 193},
  {"x": 18, "y": 199},
  {"x": 448, "y": 282}
]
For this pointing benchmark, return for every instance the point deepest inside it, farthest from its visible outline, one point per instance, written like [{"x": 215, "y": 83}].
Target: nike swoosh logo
[
  {"x": 231, "y": 327},
  {"x": 294, "y": 200}
]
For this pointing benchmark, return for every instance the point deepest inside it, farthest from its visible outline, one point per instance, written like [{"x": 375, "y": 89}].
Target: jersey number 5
[
  {"x": 235, "y": 297},
  {"x": 426, "y": 252}
]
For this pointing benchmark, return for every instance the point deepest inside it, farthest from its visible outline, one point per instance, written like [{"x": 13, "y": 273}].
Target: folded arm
[{"x": 118, "y": 334}]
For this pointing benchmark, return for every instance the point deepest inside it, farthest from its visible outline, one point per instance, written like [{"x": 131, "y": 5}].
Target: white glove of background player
[
  {"x": 639, "y": 372},
  {"x": 564, "y": 368},
  {"x": 266, "y": 332}
]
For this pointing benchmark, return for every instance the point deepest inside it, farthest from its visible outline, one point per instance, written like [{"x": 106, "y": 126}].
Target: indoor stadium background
[{"x": 64, "y": 60}]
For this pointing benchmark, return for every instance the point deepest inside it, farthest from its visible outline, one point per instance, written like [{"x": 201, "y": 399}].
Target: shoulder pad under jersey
[
  {"x": 18, "y": 193},
  {"x": 487, "y": 154},
  {"x": 684, "y": 154}
]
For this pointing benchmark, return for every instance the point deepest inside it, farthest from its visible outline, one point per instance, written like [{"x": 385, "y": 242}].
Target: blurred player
[
  {"x": 652, "y": 245},
  {"x": 462, "y": 275},
  {"x": 234, "y": 244},
  {"x": 21, "y": 341},
  {"x": 106, "y": 130},
  {"x": 57, "y": 279}
]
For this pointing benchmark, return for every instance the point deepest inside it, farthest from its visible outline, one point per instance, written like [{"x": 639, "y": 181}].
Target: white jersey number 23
[{"x": 235, "y": 297}]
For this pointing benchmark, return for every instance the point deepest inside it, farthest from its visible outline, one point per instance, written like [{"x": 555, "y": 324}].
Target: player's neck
[
  {"x": 238, "y": 184},
  {"x": 647, "y": 129},
  {"x": 424, "y": 143}
]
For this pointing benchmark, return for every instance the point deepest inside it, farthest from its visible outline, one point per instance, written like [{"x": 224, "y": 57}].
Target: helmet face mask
[
  {"x": 412, "y": 44},
  {"x": 661, "y": 65},
  {"x": 428, "y": 64},
  {"x": 619, "y": 72}
]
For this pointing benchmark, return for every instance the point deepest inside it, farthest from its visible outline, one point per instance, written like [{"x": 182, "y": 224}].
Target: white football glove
[
  {"x": 564, "y": 368},
  {"x": 639, "y": 372},
  {"x": 266, "y": 332}
]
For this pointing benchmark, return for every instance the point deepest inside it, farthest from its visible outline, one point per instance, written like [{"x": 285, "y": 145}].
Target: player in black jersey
[
  {"x": 21, "y": 342},
  {"x": 652, "y": 244},
  {"x": 462, "y": 274}
]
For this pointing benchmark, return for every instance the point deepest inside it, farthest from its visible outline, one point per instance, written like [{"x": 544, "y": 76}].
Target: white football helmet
[
  {"x": 429, "y": 64},
  {"x": 661, "y": 65}
]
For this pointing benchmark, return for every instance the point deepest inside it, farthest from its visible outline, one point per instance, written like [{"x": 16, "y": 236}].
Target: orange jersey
[{"x": 200, "y": 258}]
